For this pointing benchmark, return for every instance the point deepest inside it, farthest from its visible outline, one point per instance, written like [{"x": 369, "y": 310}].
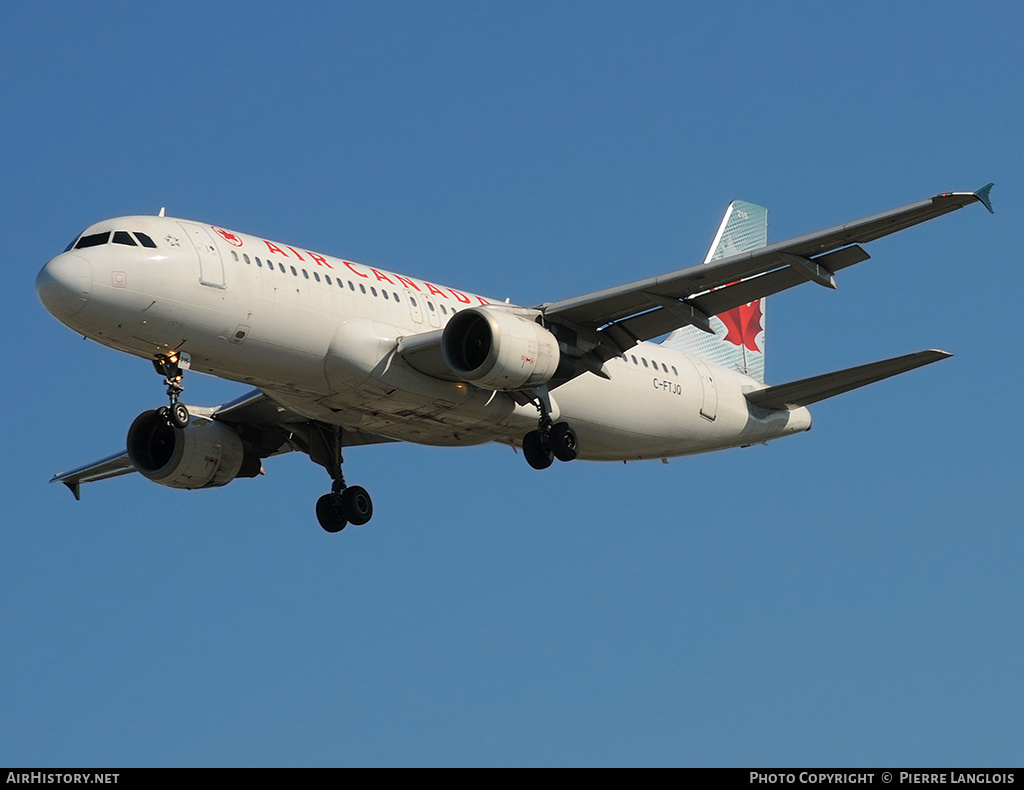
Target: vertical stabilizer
[{"x": 738, "y": 342}]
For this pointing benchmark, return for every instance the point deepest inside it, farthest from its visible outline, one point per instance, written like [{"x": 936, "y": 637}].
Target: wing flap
[{"x": 808, "y": 391}]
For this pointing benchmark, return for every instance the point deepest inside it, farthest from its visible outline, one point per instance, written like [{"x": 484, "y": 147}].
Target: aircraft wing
[
  {"x": 112, "y": 466},
  {"x": 638, "y": 311},
  {"x": 265, "y": 426}
]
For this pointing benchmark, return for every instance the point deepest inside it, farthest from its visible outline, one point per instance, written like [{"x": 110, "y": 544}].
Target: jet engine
[
  {"x": 205, "y": 454},
  {"x": 499, "y": 349}
]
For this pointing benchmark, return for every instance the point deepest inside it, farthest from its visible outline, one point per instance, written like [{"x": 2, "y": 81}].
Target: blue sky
[{"x": 852, "y": 596}]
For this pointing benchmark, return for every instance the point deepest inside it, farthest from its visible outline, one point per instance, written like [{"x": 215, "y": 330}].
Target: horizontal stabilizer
[{"x": 812, "y": 390}]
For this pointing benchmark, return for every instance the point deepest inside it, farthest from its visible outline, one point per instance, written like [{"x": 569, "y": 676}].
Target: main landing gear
[
  {"x": 166, "y": 365},
  {"x": 549, "y": 441},
  {"x": 345, "y": 504}
]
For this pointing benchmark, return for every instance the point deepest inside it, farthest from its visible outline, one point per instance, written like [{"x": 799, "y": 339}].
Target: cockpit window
[
  {"x": 120, "y": 237},
  {"x": 71, "y": 244},
  {"x": 94, "y": 240}
]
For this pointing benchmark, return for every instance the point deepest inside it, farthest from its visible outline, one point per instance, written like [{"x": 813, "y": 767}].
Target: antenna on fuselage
[{"x": 161, "y": 211}]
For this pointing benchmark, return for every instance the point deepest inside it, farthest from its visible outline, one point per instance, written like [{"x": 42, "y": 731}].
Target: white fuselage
[{"x": 320, "y": 334}]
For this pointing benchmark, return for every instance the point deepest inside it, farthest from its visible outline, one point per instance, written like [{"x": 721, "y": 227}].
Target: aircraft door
[
  {"x": 211, "y": 267},
  {"x": 709, "y": 390}
]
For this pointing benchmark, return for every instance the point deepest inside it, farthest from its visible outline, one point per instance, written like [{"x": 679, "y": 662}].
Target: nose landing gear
[{"x": 166, "y": 365}]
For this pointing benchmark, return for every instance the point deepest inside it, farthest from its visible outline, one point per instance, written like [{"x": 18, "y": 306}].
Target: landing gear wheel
[
  {"x": 345, "y": 504},
  {"x": 330, "y": 513},
  {"x": 538, "y": 455},
  {"x": 178, "y": 415},
  {"x": 356, "y": 505},
  {"x": 563, "y": 442}
]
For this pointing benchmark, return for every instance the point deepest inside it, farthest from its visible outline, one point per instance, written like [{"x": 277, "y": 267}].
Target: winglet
[
  {"x": 75, "y": 487},
  {"x": 982, "y": 195}
]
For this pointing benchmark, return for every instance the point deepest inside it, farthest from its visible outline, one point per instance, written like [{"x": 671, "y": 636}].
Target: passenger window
[
  {"x": 674, "y": 371},
  {"x": 145, "y": 241},
  {"x": 327, "y": 277},
  {"x": 95, "y": 240},
  {"x": 362, "y": 287},
  {"x": 234, "y": 255},
  {"x": 246, "y": 257},
  {"x": 123, "y": 237},
  {"x": 642, "y": 359},
  {"x": 384, "y": 293},
  {"x": 305, "y": 274},
  {"x": 373, "y": 291},
  {"x": 295, "y": 272}
]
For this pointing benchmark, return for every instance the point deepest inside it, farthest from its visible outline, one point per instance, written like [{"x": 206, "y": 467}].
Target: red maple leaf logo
[
  {"x": 229, "y": 237},
  {"x": 743, "y": 323}
]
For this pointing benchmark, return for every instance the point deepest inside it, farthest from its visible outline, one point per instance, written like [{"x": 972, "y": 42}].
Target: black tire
[
  {"x": 563, "y": 442},
  {"x": 537, "y": 454},
  {"x": 356, "y": 505},
  {"x": 330, "y": 514},
  {"x": 178, "y": 415}
]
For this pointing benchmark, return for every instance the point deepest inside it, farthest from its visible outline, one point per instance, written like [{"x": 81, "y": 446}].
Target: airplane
[{"x": 343, "y": 354}]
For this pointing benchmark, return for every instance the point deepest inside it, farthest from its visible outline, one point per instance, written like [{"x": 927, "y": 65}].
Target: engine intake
[
  {"x": 203, "y": 455},
  {"x": 498, "y": 349}
]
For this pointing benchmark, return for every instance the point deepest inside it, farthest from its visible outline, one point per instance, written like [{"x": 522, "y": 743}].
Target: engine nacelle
[
  {"x": 498, "y": 349},
  {"x": 203, "y": 455}
]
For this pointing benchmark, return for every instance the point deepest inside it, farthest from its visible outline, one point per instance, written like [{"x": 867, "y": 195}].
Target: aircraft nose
[{"x": 64, "y": 284}]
